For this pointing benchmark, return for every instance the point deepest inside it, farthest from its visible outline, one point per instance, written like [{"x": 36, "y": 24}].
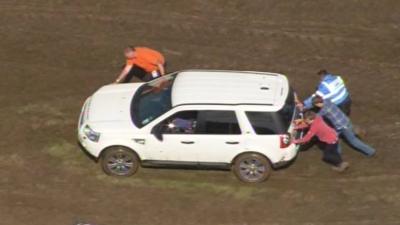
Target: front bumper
[{"x": 91, "y": 147}]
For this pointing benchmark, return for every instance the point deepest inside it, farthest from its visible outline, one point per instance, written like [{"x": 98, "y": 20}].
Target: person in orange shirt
[{"x": 143, "y": 63}]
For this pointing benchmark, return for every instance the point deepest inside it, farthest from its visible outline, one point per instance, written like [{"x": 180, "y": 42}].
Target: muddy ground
[{"x": 53, "y": 54}]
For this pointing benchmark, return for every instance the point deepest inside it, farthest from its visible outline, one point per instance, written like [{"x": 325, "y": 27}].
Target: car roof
[{"x": 229, "y": 88}]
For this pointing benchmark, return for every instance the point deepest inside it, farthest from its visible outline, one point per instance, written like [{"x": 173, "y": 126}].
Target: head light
[{"x": 91, "y": 134}]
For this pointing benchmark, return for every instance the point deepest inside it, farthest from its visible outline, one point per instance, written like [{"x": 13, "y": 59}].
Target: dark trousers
[
  {"x": 346, "y": 106},
  {"x": 331, "y": 153},
  {"x": 141, "y": 74},
  {"x": 135, "y": 72}
]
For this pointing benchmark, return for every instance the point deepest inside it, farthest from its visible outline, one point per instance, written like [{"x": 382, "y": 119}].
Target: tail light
[{"x": 285, "y": 140}]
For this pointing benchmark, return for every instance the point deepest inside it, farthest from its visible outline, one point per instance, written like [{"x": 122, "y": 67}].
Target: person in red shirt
[
  {"x": 141, "y": 62},
  {"x": 326, "y": 135}
]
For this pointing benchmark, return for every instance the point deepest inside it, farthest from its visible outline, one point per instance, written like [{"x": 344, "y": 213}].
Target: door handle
[
  {"x": 139, "y": 141},
  {"x": 232, "y": 142},
  {"x": 187, "y": 142}
]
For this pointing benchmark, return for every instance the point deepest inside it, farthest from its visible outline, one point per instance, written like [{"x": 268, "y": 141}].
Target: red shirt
[
  {"x": 147, "y": 59},
  {"x": 320, "y": 129}
]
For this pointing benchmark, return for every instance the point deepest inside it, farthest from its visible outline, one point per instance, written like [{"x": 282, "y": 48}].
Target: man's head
[
  {"x": 322, "y": 72},
  {"x": 129, "y": 52},
  {"x": 309, "y": 117},
  {"x": 318, "y": 101}
]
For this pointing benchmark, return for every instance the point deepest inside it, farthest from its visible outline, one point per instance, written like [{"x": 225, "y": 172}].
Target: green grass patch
[
  {"x": 70, "y": 157},
  {"x": 67, "y": 154},
  {"x": 240, "y": 192}
]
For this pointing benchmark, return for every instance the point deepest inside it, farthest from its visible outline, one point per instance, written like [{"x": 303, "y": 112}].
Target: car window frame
[
  {"x": 241, "y": 130},
  {"x": 274, "y": 120},
  {"x": 171, "y": 113},
  {"x": 169, "y": 117}
]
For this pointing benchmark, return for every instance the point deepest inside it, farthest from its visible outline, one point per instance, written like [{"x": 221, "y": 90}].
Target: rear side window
[
  {"x": 217, "y": 122},
  {"x": 274, "y": 122},
  {"x": 265, "y": 123}
]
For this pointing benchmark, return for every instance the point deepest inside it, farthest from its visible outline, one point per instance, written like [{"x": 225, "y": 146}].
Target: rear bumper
[
  {"x": 288, "y": 158},
  {"x": 283, "y": 164}
]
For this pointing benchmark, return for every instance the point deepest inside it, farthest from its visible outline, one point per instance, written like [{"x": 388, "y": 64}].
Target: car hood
[{"x": 112, "y": 103}]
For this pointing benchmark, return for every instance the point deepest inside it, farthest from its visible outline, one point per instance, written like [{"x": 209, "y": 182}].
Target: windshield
[{"x": 152, "y": 100}]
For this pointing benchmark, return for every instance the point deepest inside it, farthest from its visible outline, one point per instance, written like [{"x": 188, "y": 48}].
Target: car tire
[
  {"x": 119, "y": 161},
  {"x": 252, "y": 168}
]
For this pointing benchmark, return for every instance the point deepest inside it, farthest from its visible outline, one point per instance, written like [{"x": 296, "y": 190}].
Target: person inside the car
[
  {"x": 179, "y": 125},
  {"x": 327, "y": 136},
  {"x": 143, "y": 63}
]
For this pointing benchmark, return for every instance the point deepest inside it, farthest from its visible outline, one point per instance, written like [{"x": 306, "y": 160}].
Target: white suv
[{"x": 197, "y": 118}]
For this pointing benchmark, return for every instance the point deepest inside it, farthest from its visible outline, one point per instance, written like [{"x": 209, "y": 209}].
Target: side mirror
[{"x": 156, "y": 131}]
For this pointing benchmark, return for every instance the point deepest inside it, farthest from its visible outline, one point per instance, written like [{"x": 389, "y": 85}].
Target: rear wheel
[
  {"x": 119, "y": 161},
  {"x": 252, "y": 168}
]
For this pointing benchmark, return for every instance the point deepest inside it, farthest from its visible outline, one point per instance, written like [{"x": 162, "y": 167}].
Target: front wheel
[
  {"x": 119, "y": 161},
  {"x": 252, "y": 168}
]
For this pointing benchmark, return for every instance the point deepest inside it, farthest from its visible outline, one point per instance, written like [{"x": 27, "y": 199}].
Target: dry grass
[
  {"x": 186, "y": 185},
  {"x": 68, "y": 155},
  {"x": 12, "y": 160},
  {"x": 44, "y": 115}
]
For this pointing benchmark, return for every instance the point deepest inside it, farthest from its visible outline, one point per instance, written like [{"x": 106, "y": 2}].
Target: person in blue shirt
[
  {"x": 342, "y": 124},
  {"x": 331, "y": 87}
]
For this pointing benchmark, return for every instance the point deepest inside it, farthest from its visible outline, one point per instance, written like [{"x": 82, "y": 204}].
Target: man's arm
[
  {"x": 308, "y": 102},
  {"x": 161, "y": 68},
  {"x": 306, "y": 138},
  {"x": 322, "y": 91},
  {"x": 123, "y": 74},
  {"x": 300, "y": 124},
  {"x": 298, "y": 102}
]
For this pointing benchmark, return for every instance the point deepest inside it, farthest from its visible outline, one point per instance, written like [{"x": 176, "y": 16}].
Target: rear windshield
[
  {"x": 274, "y": 122},
  {"x": 287, "y": 112}
]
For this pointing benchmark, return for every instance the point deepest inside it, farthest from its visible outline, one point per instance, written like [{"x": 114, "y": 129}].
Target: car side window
[
  {"x": 217, "y": 122},
  {"x": 264, "y": 123},
  {"x": 183, "y": 122}
]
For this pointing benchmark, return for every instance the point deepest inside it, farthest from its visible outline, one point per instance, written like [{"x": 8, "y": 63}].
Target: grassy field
[{"x": 54, "y": 54}]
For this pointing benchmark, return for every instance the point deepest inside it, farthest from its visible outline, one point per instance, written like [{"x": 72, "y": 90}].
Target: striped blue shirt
[
  {"x": 335, "y": 115},
  {"x": 331, "y": 87}
]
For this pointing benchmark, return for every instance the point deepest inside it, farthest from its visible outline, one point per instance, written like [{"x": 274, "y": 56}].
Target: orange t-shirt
[{"x": 146, "y": 59}]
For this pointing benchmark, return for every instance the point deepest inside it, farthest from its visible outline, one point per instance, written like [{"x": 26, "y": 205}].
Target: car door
[
  {"x": 219, "y": 137},
  {"x": 176, "y": 141},
  {"x": 203, "y": 136}
]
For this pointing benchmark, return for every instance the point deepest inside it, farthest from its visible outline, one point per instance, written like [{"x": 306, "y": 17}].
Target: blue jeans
[{"x": 355, "y": 142}]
